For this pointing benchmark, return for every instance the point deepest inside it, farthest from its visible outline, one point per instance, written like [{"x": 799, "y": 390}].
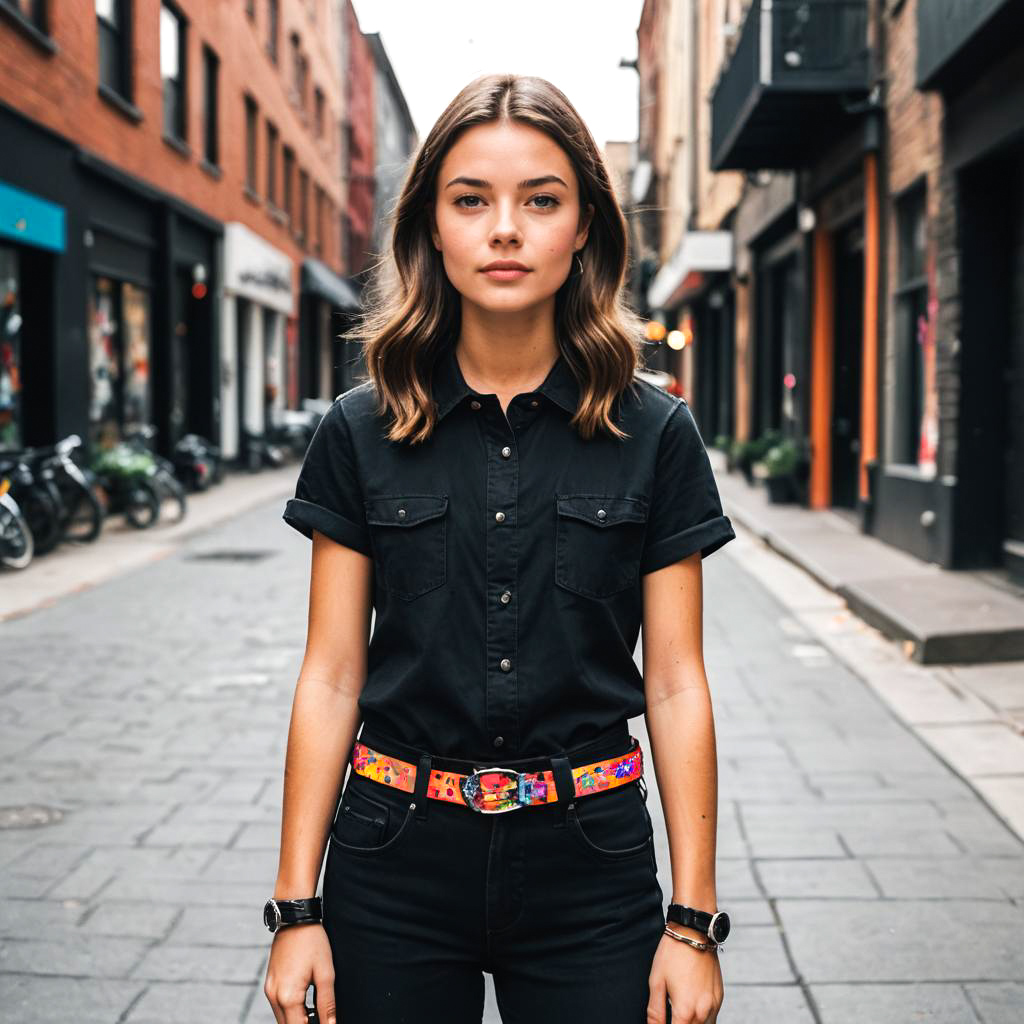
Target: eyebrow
[{"x": 547, "y": 179}]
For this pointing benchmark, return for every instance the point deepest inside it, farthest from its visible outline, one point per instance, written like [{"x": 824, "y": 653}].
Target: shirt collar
[{"x": 450, "y": 387}]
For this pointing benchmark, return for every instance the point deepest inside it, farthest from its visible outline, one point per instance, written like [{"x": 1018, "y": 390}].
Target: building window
[
  {"x": 272, "y": 26},
  {"x": 303, "y": 207},
  {"x": 251, "y": 127},
  {"x": 112, "y": 33},
  {"x": 287, "y": 173},
  {"x": 271, "y": 164},
  {"x": 172, "y": 71},
  {"x": 911, "y": 323},
  {"x": 211, "y": 66},
  {"x": 318, "y": 220},
  {"x": 32, "y": 11},
  {"x": 318, "y": 111}
]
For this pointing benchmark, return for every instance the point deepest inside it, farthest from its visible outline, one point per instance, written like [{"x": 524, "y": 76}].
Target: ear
[{"x": 585, "y": 219}]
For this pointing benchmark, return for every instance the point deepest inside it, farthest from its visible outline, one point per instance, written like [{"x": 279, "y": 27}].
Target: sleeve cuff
[
  {"x": 705, "y": 537},
  {"x": 306, "y": 517}
]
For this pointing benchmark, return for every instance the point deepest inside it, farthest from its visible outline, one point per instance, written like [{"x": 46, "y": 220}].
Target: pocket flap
[
  {"x": 405, "y": 510},
  {"x": 602, "y": 510}
]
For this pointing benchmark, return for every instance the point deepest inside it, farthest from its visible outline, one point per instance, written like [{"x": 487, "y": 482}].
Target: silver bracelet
[{"x": 703, "y": 946}]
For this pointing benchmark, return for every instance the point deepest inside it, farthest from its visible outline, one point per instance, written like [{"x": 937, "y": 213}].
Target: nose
[{"x": 505, "y": 228}]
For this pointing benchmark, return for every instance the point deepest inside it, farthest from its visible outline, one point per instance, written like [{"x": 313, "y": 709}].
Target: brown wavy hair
[{"x": 411, "y": 308}]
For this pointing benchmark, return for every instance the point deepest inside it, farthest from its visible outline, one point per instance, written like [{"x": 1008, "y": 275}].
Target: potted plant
[
  {"x": 723, "y": 442},
  {"x": 781, "y": 464}
]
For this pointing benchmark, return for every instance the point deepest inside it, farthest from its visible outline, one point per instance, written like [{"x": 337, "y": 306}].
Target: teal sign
[{"x": 29, "y": 219}]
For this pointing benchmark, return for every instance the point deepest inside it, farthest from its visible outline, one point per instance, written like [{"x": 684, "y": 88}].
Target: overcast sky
[{"x": 437, "y": 47}]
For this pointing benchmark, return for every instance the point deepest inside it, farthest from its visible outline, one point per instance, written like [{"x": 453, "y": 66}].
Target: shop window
[
  {"x": 251, "y": 127},
  {"x": 10, "y": 350},
  {"x": 211, "y": 134},
  {"x": 912, "y": 330},
  {"x": 112, "y": 30},
  {"x": 119, "y": 359},
  {"x": 172, "y": 71}
]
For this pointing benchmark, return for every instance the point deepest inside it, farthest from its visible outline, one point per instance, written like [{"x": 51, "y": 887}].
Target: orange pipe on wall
[
  {"x": 869, "y": 356},
  {"x": 822, "y": 326}
]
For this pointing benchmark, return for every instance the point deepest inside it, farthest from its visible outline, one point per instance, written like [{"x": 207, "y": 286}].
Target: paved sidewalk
[
  {"x": 940, "y": 615},
  {"x": 148, "y": 717},
  {"x": 121, "y": 548}
]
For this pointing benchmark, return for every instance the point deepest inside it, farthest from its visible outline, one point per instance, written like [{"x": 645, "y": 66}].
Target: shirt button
[
  {"x": 500, "y": 516},
  {"x": 506, "y": 665},
  {"x": 506, "y": 452},
  {"x": 506, "y": 597},
  {"x": 498, "y": 740},
  {"x": 402, "y": 513},
  {"x": 474, "y": 404},
  {"x": 534, "y": 403},
  {"x": 601, "y": 514}
]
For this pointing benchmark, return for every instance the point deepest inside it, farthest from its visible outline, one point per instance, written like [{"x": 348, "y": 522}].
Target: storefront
[
  {"x": 328, "y": 303},
  {"x": 32, "y": 236},
  {"x": 256, "y": 322},
  {"x": 697, "y": 341}
]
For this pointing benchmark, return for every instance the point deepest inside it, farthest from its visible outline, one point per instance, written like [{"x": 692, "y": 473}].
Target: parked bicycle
[
  {"x": 16, "y": 544},
  {"x": 164, "y": 479}
]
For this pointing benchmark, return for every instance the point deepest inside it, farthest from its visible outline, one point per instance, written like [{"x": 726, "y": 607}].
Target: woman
[{"x": 511, "y": 501}]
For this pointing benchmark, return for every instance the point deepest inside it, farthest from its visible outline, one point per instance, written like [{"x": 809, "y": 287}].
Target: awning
[
  {"x": 318, "y": 278},
  {"x": 698, "y": 253}
]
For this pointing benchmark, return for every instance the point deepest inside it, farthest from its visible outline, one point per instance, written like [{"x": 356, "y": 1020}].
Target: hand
[
  {"x": 690, "y": 978},
  {"x": 300, "y": 954}
]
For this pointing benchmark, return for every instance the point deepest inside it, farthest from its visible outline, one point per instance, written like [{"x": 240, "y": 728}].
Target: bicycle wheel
[{"x": 16, "y": 546}]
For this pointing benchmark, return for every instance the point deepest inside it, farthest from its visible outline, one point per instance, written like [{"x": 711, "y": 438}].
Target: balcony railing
[{"x": 780, "y": 93}]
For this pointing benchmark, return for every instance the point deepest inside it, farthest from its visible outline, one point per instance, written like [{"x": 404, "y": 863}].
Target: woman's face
[{"x": 507, "y": 192}]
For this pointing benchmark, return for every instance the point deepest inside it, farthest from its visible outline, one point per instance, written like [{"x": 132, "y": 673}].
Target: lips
[{"x": 505, "y": 265}]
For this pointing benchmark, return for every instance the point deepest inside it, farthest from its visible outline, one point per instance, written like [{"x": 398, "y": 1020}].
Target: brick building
[
  {"x": 172, "y": 191},
  {"x": 871, "y": 310}
]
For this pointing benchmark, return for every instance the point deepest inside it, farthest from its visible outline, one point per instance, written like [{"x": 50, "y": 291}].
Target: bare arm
[
  {"x": 325, "y": 715},
  {"x": 681, "y": 727}
]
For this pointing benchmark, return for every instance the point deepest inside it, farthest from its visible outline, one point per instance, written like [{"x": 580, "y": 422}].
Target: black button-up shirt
[{"x": 508, "y": 554}]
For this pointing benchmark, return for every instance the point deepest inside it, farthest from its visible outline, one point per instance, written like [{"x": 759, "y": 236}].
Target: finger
[
  {"x": 323, "y": 997},
  {"x": 295, "y": 1007},
  {"x": 656, "y": 1013}
]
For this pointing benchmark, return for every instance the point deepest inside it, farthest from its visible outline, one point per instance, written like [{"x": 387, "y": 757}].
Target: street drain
[
  {"x": 230, "y": 555},
  {"x": 29, "y": 816}
]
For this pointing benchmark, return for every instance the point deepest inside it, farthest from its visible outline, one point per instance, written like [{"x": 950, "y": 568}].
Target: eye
[
  {"x": 553, "y": 201},
  {"x": 467, "y": 196}
]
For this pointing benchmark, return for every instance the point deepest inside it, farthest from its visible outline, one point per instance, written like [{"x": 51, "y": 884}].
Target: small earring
[{"x": 580, "y": 262}]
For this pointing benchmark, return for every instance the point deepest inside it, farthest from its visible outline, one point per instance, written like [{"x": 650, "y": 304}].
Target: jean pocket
[
  {"x": 408, "y": 534},
  {"x": 368, "y": 826},
  {"x": 612, "y": 826},
  {"x": 598, "y": 542}
]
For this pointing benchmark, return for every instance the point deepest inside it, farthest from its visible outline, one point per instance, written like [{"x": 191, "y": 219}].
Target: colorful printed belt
[{"x": 492, "y": 790}]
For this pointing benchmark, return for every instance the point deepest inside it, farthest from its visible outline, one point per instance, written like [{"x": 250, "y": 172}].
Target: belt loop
[
  {"x": 565, "y": 785},
  {"x": 422, "y": 780}
]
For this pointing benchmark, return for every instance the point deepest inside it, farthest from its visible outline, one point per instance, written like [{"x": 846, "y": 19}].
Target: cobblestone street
[{"x": 148, "y": 716}]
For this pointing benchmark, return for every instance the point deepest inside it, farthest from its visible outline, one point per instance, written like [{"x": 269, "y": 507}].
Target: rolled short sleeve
[
  {"x": 686, "y": 511},
  {"x": 328, "y": 496}
]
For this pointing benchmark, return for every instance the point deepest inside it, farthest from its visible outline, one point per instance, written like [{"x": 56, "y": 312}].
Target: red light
[
  {"x": 790, "y": 381},
  {"x": 199, "y": 290}
]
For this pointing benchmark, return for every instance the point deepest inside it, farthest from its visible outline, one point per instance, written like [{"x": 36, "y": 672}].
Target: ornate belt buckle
[{"x": 492, "y": 790}]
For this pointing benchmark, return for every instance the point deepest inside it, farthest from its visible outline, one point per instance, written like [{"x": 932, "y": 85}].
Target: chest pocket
[
  {"x": 408, "y": 536},
  {"x": 598, "y": 543}
]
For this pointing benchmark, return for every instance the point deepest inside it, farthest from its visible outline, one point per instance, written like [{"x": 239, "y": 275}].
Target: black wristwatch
[
  {"x": 279, "y": 913},
  {"x": 715, "y": 926}
]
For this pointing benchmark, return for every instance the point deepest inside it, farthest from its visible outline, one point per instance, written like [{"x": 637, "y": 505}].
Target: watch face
[
  {"x": 720, "y": 927},
  {"x": 271, "y": 915}
]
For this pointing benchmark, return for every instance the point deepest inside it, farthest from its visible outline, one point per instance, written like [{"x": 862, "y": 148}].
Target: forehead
[{"x": 504, "y": 153}]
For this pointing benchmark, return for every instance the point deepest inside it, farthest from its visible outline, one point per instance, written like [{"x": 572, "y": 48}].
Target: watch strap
[{"x": 689, "y": 917}]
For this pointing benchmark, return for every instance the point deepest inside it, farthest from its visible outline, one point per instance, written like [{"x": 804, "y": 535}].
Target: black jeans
[{"x": 559, "y": 902}]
